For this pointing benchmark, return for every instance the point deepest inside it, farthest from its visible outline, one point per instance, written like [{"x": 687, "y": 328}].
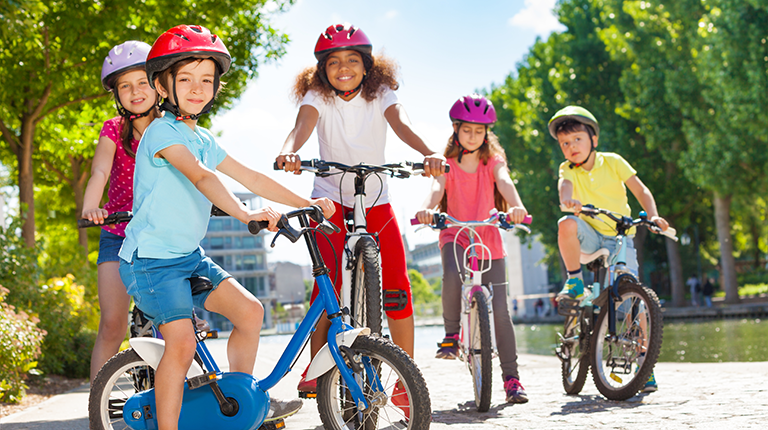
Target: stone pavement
[{"x": 691, "y": 395}]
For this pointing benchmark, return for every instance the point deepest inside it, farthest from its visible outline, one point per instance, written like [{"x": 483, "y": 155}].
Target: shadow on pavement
[
  {"x": 585, "y": 404},
  {"x": 75, "y": 424},
  {"x": 466, "y": 413}
]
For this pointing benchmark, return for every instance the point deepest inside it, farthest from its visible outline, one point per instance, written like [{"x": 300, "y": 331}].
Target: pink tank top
[
  {"x": 120, "y": 192},
  {"x": 470, "y": 198}
]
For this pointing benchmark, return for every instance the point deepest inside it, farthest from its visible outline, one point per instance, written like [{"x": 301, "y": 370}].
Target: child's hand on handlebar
[
  {"x": 434, "y": 165},
  {"x": 425, "y": 216},
  {"x": 660, "y": 222},
  {"x": 516, "y": 214},
  {"x": 265, "y": 214},
  {"x": 96, "y": 215},
  {"x": 325, "y": 204},
  {"x": 571, "y": 204},
  {"x": 290, "y": 162}
]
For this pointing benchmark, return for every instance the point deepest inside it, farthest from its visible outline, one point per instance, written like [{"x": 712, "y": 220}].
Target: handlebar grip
[
  {"x": 255, "y": 226},
  {"x": 528, "y": 220},
  {"x": 415, "y": 221},
  {"x": 420, "y": 166},
  {"x": 83, "y": 223},
  {"x": 304, "y": 163},
  {"x": 113, "y": 218}
]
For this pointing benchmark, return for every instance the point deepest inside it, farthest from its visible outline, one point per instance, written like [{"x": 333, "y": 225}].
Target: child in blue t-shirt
[{"x": 174, "y": 185}]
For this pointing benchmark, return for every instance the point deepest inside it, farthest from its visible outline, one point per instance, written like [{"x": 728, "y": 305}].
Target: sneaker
[
  {"x": 449, "y": 347},
  {"x": 573, "y": 289},
  {"x": 307, "y": 387},
  {"x": 515, "y": 391},
  {"x": 400, "y": 399},
  {"x": 651, "y": 385},
  {"x": 279, "y": 409}
]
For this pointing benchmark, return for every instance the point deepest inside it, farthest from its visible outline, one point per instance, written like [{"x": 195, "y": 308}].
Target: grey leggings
[{"x": 505, "y": 333}]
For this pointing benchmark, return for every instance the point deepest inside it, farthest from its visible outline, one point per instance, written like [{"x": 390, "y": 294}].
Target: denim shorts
[
  {"x": 109, "y": 246},
  {"x": 161, "y": 289},
  {"x": 591, "y": 241}
]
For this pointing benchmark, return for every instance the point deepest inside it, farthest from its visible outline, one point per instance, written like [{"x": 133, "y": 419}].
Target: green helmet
[{"x": 576, "y": 113}]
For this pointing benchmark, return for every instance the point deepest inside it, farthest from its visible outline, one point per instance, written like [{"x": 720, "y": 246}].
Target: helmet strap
[
  {"x": 463, "y": 150},
  {"x": 130, "y": 116},
  {"x": 349, "y": 93}
]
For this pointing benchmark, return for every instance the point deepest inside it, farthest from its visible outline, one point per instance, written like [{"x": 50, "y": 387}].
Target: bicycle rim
[
  {"x": 574, "y": 353},
  {"x": 622, "y": 364},
  {"x": 121, "y": 377}
]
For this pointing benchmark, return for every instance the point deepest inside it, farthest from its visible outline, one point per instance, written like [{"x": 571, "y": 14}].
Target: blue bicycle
[{"x": 357, "y": 372}]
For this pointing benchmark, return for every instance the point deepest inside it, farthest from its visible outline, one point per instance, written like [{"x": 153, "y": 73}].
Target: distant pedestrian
[
  {"x": 514, "y": 307},
  {"x": 708, "y": 290},
  {"x": 695, "y": 287},
  {"x": 539, "y": 307}
]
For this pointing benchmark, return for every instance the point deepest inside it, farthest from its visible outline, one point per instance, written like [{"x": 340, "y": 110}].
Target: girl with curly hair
[{"x": 350, "y": 97}]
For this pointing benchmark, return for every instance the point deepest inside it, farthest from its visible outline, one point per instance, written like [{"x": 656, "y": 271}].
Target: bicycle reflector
[{"x": 395, "y": 300}]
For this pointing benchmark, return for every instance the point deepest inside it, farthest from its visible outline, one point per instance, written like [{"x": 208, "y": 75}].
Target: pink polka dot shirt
[{"x": 120, "y": 192}]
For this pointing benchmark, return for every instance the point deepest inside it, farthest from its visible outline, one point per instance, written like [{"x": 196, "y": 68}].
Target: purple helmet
[
  {"x": 473, "y": 108},
  {"x": 129, "y": 55}
]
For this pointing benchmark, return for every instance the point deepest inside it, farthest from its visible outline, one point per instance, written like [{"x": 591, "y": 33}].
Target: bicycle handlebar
[
  {"x": 591, "y": 211},
  {"x": 285, "y": 229},
  {"x": 113, "y": 218},
  {"x": 324, "y": 168},
  {"x": 441, "y": 221}
]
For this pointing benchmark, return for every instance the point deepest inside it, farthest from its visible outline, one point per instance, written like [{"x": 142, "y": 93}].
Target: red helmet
[
  {"x": 340, "y": 37},
  {"x": 184, "y": 41}
]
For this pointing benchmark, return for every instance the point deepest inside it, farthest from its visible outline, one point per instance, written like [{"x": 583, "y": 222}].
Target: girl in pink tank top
[
  {"x": 123, "y": 74},
  {"x": 478, "y": 181}
]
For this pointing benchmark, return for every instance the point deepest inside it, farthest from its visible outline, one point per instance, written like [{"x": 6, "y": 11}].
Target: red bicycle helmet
[
  {"x": 340, "y": 37},
  {"x": 185, "y": 41}
]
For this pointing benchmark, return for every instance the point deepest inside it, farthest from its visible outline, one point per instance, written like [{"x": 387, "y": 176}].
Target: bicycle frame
[
  {"x": 340, "y": 335},
  {"x": 472, "y": 283}
]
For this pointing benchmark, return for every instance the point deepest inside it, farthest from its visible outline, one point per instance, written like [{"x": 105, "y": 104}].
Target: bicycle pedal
[
  {"x": 569, "y": 307},
  {"x": 196, "y": 382},
  {"x": 273, "y": 425},
  {"x": 307, "y": 395},
  {"x": 213, "y": 334}
]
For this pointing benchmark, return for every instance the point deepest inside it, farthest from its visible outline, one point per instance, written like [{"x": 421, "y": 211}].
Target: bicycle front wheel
[
  {"x": 479, "y": 357},
  {"x": 408, "y": 408},
  {"x": 622, "y": 364},
  {"x": 366, "y": 286},
  {"x": 121, "y": 377},
  {"x": 574, "y": 353}
]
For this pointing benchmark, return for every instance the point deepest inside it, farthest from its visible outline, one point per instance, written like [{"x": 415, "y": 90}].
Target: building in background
[{"x": 242, "y": 255}]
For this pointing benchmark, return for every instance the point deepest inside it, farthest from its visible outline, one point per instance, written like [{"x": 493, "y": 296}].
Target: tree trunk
[
  {"x": 27, "y": 183},
  {"x": 727, "y": 262},
  {"x": 640, "y": 236},
  {"x": 79, "y": 179},
  {"x": 677, "y": 284}
]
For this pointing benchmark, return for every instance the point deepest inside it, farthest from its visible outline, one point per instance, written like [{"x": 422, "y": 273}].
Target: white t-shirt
[{"x": 351, "y": 133}]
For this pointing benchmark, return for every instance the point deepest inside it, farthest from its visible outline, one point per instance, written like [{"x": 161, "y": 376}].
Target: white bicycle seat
[{"x": 586, "y": 258}]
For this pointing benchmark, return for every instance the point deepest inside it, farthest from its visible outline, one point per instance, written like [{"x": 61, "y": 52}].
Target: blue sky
[{"x": 445, "y": 50}]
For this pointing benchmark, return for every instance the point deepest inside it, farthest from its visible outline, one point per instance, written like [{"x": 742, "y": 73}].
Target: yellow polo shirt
[{"x": 603, "y": 187}]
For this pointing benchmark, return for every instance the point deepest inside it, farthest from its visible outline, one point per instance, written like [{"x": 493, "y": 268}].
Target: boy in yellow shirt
[{"x": 600, "y": 179}]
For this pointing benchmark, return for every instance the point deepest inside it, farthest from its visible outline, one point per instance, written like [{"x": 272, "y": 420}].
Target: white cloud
[
  {"x": 537, "y": 15},
  {"x": 391, "y": 14}
]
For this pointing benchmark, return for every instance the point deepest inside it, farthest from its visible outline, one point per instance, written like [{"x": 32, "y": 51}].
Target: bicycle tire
[
  {"x": 575, "y": 354},
  {"x": 638, "y": 306},
  {"x": 392, "y": 364},
  {"x": 366, "y": 286},
  {"x": 121, "y": 376},
  {"x": 479, "y": 358}
]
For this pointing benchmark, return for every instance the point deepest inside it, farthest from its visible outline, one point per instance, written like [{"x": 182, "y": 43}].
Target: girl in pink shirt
[
  {"x": 477, "y": 182},
  {"x": 123, "y": 74}
]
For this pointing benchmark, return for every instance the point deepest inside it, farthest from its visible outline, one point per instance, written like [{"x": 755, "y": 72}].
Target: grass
[{"x": 748, "y": 290}]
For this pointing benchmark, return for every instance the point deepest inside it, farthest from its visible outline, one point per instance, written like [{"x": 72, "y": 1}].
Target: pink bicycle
[{"x": 477, "y": 344}]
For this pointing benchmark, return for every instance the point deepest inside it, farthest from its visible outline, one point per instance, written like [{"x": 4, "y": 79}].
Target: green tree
[
  {"x": 51, "y": 52},
  {"x": 421, "y": 291}
]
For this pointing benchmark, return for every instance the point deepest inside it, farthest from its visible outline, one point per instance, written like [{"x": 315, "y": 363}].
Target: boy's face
[
  {"x": 194, "y": 86},
  {"x": 575, "y": 146},
  {"x": 134, "y": 91},
  {"x": 345, "y": 69}
]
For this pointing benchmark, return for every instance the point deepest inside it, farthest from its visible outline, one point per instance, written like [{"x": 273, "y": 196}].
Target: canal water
[{"x": 692, "y": 342}]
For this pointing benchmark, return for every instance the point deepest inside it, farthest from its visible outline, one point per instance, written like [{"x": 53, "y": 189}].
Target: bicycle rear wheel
[
  {"x": 366, "y": 286},
  {"x": 622, "y": 364},
  {"x": 390, "y": 364},
  {"x": 479, "y": 357},
  {"x": 122, "y": 376},
  {"x": 574, "y": 353}
]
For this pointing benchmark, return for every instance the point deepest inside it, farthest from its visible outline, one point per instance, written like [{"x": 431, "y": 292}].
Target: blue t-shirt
[{"x": 170, "y": 216}]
